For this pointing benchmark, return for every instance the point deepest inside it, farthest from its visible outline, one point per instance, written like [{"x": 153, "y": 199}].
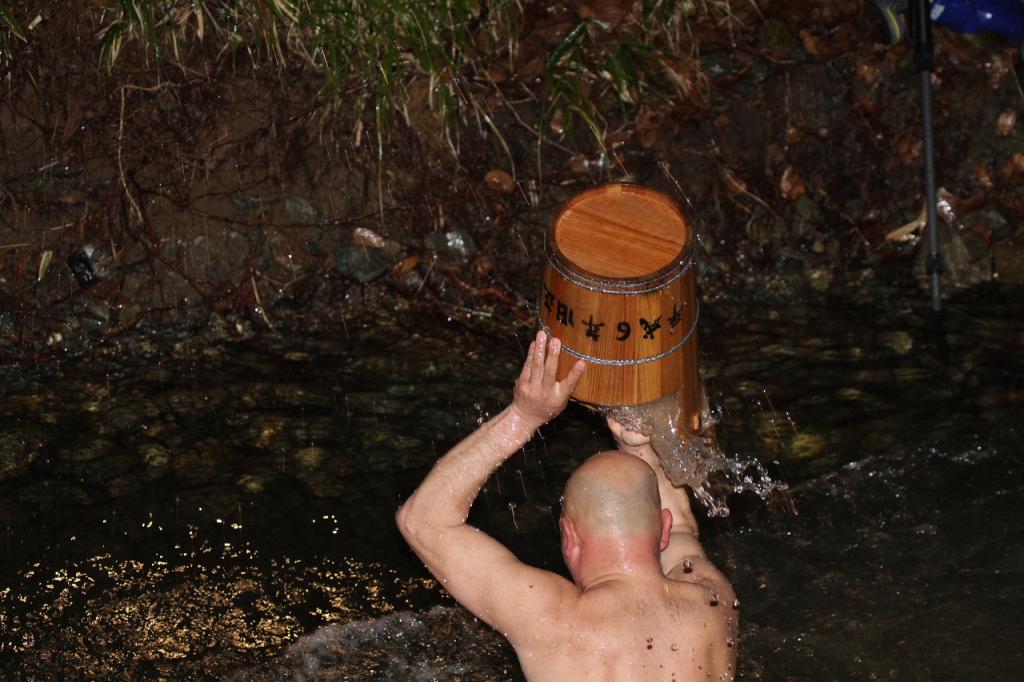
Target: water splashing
[{"x": 692, "y": 457}]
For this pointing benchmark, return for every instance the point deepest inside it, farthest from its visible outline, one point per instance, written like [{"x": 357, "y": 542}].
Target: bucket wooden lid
[{"x": 620, "y": 232}]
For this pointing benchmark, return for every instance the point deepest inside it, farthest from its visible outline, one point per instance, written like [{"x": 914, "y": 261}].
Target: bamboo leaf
[{"x": 12, "y": 23}]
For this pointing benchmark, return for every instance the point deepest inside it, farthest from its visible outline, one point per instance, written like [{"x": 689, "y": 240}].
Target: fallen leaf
[
  {"x": 905, "y": 233},
  {"x": 530, "y": 69},
  {"x": 867, "y": 70},
  {"x": 689, "y": 79},
  {"x": 1007, "y": 121},
  {"x": 946, "y": 204},
  {"x": 578, "y": 164},
  {"x": 609, "y": 12},
  {"x": 732, "y": 183},
  {"x": 909, "y": 148},
  {"x": 483, "y": 265},
  {"x": 1014, "y": 167},
  {"x": 557, "y": 123},
  {"x": 496, "y": 74},
  {"x": 983, "y": 174},
  {"x": 813, "y": 45},
  {"x": 999, "y": 67},
  {"x": 500, "y": 181},
  {"x": 405, "y": 265},
  {"x": 44, "y": 264},
  {"x": 791, "y": 184}
]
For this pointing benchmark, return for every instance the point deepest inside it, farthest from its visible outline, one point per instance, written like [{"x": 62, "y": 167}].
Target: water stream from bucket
[{"x": 695, "y": 460}]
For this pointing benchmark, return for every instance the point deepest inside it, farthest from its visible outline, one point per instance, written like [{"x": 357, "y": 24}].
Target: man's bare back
[
  {"x": 657, "y": 630},
  {"x": 644, "y": 602}
]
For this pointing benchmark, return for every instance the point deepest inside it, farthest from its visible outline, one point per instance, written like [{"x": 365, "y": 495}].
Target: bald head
[{"x": 613, "y": 493}]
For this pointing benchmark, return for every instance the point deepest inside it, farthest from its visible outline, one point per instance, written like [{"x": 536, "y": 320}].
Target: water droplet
[
  {"x": 730, "y": 642},
  {"x": 674, "y": 647},
  {"x": 714, "y": 600},
  {"x": 735, "y": 603},
  {"x": 687, "y": 566}
]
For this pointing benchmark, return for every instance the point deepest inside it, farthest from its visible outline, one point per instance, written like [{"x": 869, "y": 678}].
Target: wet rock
[
  {"x": 300, "y": 210},
  {"x": 458, "y": 243},
  {"x": 899, "y": 341},
  {"x": 93, "y": 450},
  {"x": 326, "y": 486},
  {"x": 287, "y": 251},
  {"x": 15, "y": 457},
  {"x": 776, "y": 38},
  {"x": 155, "y": 456},
  {"x": 807, "y": 208},
  {"x": 364, "y": 236},
  {"x": 991, "y": 218},
  {"x": 96, "y": 315},
  {"x": 315, "y": 430},
  {"x": 717, "y": 63},
  {"x": 1009, "y": 260},
  {"x": 126, "y": 484},
  {"x": 361, "y": 263},
  {"x": 242, "y": 204},
  {"x": 966, "y": 259},
  {"x": 253, "y": 483},
  {"x": 267, "y": 433},
  {"x": 82, "y": 268},
  {"x": 124, "y": 419},
  {"x": 309, "y": 458},
  {"x": 807, "y": 445},
  {"x": 821, "y": 278}
]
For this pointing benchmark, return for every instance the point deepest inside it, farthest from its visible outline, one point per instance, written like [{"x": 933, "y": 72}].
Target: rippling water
[{"x": 195, "y": 507}]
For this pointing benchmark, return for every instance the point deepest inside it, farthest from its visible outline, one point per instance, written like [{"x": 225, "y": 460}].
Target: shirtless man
[{"x": 644, "y": 604}]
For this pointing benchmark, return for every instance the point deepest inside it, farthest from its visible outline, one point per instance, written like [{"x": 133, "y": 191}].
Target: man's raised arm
[{"x": 480, "y": 573}]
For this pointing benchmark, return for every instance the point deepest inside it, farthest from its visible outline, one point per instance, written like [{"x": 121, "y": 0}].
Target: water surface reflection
[{"x": 194, "y": 506}]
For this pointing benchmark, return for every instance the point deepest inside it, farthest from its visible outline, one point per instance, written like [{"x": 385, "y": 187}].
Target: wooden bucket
[{"x": 619, "y": 292}]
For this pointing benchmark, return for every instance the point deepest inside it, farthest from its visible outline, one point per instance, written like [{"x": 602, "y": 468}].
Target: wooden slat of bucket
[
  {"x": 670, "y": 318},
  {"x": 618, "y": 289}
]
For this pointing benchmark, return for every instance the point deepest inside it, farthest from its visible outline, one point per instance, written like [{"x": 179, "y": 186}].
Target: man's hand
[
  {"x": 539, "y": 397},
  {"x": 626, "y": 438}
]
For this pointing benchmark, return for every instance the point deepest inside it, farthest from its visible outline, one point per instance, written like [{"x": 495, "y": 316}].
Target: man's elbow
[{"x": 403, "y": 519}]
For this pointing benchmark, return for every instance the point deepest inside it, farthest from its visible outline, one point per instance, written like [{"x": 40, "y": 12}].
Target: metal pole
[{"x": 924, "y": 59}]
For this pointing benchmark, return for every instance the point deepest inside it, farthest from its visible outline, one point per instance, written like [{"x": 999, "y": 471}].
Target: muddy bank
[{"x": 225, "y": 192}]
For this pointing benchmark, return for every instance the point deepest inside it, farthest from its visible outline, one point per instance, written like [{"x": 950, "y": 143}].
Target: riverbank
[{"x": 223, "y": 192}]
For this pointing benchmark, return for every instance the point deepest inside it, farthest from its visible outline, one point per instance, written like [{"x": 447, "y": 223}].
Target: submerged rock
[
  {"x": 300, "y": 210},
  {"x": 15, "y": 457},
  {"x": 457, "y": 243}
]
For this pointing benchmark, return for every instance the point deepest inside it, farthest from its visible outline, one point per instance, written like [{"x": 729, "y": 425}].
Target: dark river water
[{"x": 204, "y": 508}]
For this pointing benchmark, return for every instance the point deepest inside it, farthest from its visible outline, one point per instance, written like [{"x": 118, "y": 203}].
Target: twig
[
  {"x": 261, "y": 309},
  {"x": 120, "y": 162}
]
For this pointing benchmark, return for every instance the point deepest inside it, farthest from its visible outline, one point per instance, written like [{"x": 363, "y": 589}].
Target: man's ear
[
  {"x": 614, "y": 426},
  {"x": 570, "y": 540},
  {"x": 666, "y": 528}
]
